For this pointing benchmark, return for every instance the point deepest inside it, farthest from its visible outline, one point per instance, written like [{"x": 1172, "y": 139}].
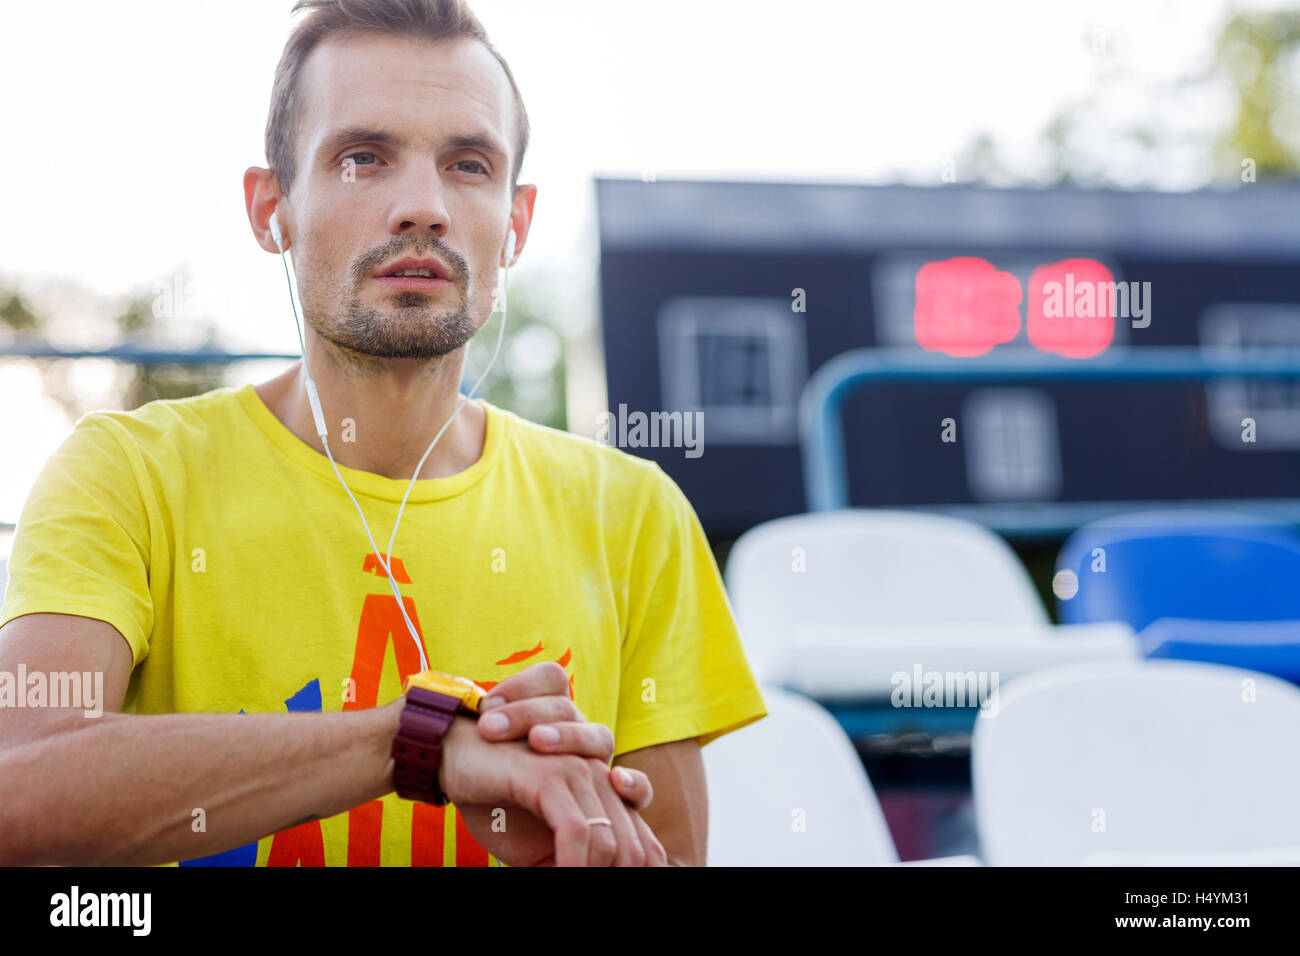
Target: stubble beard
[
  {"x": 408, "y": 330},
  {"x": 406, "y": 327}
]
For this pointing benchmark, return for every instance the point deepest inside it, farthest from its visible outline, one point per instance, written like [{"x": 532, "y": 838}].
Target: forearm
[{"x": 124, "y": 790}]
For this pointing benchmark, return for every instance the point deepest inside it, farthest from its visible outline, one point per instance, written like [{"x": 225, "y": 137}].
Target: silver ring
[{"x": 605, "y": 820}]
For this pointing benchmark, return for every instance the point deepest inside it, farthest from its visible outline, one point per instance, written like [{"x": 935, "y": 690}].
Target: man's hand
[
  {"x": 546, "y": 812},
  {"x": 547, "y": 799},
  {"x": 535, "y": 704}
]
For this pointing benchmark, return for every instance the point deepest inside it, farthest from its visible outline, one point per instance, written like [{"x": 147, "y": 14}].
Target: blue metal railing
[
  {"x": 821, "y": 419},
  {"x": 32, "y": 348},
  {"x": 140, "y": 355}
]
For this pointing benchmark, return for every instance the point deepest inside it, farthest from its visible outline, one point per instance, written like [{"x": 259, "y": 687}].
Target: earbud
[
  {"x": 275, "y": 231},
  {"x": 510, "y": 248}
]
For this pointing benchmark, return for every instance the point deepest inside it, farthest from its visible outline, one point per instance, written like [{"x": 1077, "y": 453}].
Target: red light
[
  {"x": 1071, "y": 308},
  {"x": 965, "y": 306}
]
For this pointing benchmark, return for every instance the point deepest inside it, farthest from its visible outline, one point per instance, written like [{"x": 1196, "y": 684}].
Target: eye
[
  {"x": 472, "y": 162},
  {"x": 360, "y": 162}
]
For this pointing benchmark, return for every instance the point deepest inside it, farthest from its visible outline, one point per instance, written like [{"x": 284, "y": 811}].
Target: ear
[
  {"x": 521, "y": 217},
  {"x": 262, "y": 199}
]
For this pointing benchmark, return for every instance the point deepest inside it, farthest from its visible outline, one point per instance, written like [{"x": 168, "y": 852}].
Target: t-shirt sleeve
[
  {"x": 685, "y": 673},
  {"x": 82, "y": 544}
]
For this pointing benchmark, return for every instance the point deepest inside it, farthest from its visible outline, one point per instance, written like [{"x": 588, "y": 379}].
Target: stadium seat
[
  {"x": 833, "y": 603},
  {"x": 789, "y": 790},
  {"x": 1283, "y": 856},
  {"x": 884, "y": 568},
  {"x": 844, "y": 665},
  {"x": 1270, "y": 647},
  {"x": 1198, "y": 565},
  {"x": 1122, "y": 760}
]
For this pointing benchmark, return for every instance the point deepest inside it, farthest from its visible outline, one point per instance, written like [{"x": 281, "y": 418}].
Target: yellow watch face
[{"x": 462, "y": 688}]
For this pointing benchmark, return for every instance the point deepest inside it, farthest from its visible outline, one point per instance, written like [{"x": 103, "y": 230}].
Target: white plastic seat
[
  {"x": 853, "y": 665},
  {"x": 790, "y": 790},
  {"x": 879, "y": 587},
  {"x": 795, "y": 767},
  {"x": 1282, "y": 856},
  {"x": 871, "y": 569},
  {"x": 1123, "y": 760}
]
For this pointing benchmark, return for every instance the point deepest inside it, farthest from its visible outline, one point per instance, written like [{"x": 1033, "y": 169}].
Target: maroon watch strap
[{"x": 417, "y": 745}]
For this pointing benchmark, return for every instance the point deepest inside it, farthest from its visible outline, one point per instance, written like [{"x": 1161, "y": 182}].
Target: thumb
[{"x": 633, "y": 786}]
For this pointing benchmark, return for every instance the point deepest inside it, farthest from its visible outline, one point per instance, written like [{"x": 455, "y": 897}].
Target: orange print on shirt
[
  {"x": 375, "y": 565},
  {"x": 381, "y": 621}
]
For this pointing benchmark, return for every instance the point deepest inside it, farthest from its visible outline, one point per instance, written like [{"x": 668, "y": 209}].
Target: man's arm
[
  {"x": 121, "y": 789},
  {"x": 679, "y": 815}
]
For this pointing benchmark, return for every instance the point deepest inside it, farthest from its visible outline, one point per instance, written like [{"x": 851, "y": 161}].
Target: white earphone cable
[{"x": 322, "y": 431}]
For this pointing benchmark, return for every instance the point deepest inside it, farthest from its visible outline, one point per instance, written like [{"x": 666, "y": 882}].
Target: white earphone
[{"x": 313, "y": 399}]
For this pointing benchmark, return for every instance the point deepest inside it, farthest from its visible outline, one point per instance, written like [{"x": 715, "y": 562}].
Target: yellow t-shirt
[{"x": 225, "y": 551}]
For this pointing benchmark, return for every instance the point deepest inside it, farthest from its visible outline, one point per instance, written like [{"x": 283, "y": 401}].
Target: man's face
[{"x": 404, "y": 151}]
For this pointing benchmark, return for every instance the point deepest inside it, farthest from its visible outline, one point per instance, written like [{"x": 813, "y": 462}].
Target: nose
[{"x": 420, "y": 208}]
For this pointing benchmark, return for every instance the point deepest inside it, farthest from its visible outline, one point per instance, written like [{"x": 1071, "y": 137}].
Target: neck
[{"x": 381, "y": 413}]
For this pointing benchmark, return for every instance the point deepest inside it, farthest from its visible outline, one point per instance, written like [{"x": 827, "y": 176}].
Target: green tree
[
  {"x": 529, "y": 375},
  {"x": 16, "y": 315},
  {"x": 1257, "y": 53},
  {"x": 1256, "y": 59}
]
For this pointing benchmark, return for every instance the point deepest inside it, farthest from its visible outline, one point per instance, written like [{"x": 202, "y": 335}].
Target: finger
[
  {"x": 548, "y": 677},
  {"x": 560, "y": 810},
  {"x": 513, "y": 720},
  {"x": 604, "y": 840},
  {"x": 630, "y": 851},
  {"x": 633, "y": 786},
  {"x": 571, "y": 737},
  {"x": 655, "y": 854}
]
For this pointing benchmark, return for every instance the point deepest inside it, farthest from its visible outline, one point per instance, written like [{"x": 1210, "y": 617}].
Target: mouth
[{"x": 414, "y": 275}]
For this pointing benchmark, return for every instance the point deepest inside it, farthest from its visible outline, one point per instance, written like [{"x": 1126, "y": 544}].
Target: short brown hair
[{"x": 433, "y": 20}]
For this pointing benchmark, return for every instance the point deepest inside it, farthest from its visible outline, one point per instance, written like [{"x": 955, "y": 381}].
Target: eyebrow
[{"x": 357, "y": 134}]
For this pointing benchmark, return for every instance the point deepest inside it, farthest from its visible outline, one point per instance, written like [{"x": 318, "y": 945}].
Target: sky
[{"x": 136, "y": 120}]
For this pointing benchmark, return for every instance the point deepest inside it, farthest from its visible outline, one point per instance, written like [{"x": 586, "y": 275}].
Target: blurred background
[{"x": 733, "y": 197}]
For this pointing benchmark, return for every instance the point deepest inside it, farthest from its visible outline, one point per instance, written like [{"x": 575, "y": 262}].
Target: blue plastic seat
[
  {"x": 1208, "y": 586},
  {"x": 1198, "y": 565},
  {"x": 1270, "y": 647}
]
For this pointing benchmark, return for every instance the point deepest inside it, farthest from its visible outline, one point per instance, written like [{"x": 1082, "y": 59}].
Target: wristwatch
[{"x": 433, "y": 699}]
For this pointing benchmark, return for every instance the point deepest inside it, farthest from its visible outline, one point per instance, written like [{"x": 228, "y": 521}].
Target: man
[{"x": 202, "y": 556}]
